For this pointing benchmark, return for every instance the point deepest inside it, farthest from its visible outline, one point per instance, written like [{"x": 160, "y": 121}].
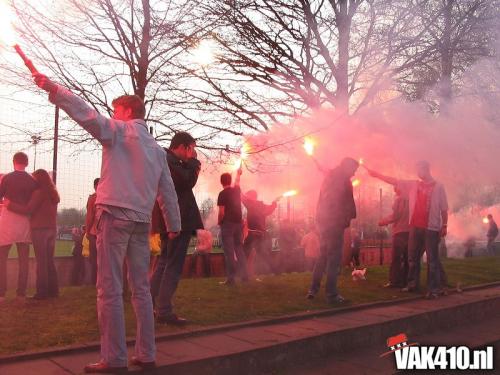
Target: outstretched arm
[
  {"x": 388, "y": 179},
  {"x": 100, "y": 127}
]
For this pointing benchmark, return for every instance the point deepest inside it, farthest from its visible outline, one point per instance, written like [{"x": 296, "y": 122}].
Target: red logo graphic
[{"x": 397, "y": 342}]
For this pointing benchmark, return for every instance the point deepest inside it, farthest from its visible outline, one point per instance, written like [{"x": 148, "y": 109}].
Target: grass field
[
  {"x": 64, "y": 248},
  {"x": 72, "y": 317}
]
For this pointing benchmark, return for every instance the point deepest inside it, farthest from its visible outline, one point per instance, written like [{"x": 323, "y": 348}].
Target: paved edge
[{"x": 95, "y": 346}]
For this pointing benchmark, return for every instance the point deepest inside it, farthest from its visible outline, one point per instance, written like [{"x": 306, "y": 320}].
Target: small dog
[{"x": 358, "y": 274}]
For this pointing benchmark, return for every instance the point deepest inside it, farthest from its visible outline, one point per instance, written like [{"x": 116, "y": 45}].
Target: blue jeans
[
  {"x": 232, "y": 243},
  {"x": 330, "y": 258},
  {"x": 116, "y": 240},
  {"x": 421, "y": 240},
  {"x": 169, "y": 271},
  {"x": 44, "y": 244}
]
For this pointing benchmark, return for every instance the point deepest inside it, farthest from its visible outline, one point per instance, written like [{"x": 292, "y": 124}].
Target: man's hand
[
  {"x": 444, "y": 230},
  {"x": 44, "y": 83},
  {"x": 172, "y": 235}
]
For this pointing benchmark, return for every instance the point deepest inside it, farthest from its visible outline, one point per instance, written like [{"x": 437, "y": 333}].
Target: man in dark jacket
[
  {"x": 491, "y": 235},
  {"x": 184, "y": 168},
  {"x": 257, "y": 211},
  {"x": 335, "y": 210}
]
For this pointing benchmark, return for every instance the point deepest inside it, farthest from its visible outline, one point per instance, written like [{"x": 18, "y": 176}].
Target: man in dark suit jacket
[{"x": 184, "y": 168}]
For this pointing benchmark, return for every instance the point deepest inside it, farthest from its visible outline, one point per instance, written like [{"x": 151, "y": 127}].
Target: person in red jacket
[{"x": 42, "y": 207}]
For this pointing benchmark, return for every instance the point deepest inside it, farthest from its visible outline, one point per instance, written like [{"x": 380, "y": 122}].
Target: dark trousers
[
  {"x": 421, "y": 240},
  {"x": 398, "y": 272},
  {"x": 204, "y": 257},
  {"x": 355, "y": 256},
  {"x": 78, "y": 273},
  {"x": 44, "y": 244},
  {"x": 330, "y": 258},
  {"x": 490, "y": 246},
  {"x": 232, "y": 243},
  {"x": 93, "y": 257},
  {"x": 263, "y": 249},
  {"x": 23, "y": 251},
  {"x": 169, "y": 271}
]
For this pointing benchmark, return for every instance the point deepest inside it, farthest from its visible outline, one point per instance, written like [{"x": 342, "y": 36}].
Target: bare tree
[
  {"x": 457, "y": 34},
  {"x": 104, "y": 48}
]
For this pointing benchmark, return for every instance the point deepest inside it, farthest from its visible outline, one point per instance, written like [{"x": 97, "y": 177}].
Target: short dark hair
[
  {"x": 20, "y": 158},
  {"x": 225, "y": 179},
  {"x": 181, "y": 138},
  {"x": 96, "y": 182},
  {"x": 132, "y": 102}
]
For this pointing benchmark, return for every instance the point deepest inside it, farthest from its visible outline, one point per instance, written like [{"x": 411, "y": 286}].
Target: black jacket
[
  {"x": 184, "y": 175},
  {"x": 336, "y": 207}
]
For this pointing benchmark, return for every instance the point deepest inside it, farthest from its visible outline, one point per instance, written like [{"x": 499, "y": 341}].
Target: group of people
[
  {"x": 419, "y": 219},
  {"x": 28, "y": 216},
  {"x": 144, "y": 187}
]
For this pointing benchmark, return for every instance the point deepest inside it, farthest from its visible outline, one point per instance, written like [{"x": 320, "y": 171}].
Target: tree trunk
[
  {"x": 143, "y": 61},
  {"x": 446, "y": 56},
  {"x": 342, "y": 74}
]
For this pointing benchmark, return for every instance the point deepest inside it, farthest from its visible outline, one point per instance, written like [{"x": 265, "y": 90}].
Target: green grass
[
  {"x": 72, "y": 318},
  {"x": 63, "y": 249}
]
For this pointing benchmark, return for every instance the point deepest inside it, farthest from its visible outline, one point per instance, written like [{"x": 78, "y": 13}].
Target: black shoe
[
  {"x": 172, "y": 320},
  {"x": 310, "y": 295},
  {"x": 143, "y": 365},
  {"x": 432, "y": 296},
  {"x": 337, "y": 299},
  {"x": 102, "y": 368}
]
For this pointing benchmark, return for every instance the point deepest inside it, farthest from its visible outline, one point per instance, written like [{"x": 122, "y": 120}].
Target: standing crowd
[{"x": 145, "y": 189}]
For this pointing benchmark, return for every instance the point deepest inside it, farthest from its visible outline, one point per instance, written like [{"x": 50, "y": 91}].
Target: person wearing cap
[
  {"x": 428, "y": 221},
  {"x": 335, "y": 210}
]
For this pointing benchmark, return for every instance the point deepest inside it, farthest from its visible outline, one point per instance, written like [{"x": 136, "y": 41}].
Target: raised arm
[
  {"x": 388, "y": 179},
  {"x": 100, "y": 127}
]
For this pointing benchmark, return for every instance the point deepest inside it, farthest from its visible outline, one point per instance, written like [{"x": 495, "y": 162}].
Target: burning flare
[
  {"x": 485, "y": 220},
  {"x": 356, "y": 182},
  {"x": 361, "y": 161},
  {"x": 245, "y": 148},
  {"x": 309, "y": 145},
  {"x": 290, "y": 193}
]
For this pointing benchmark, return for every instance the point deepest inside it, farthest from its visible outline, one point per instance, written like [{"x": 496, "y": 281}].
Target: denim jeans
[
  {"x": 421, "y": 240},
  {"x": 116, "y": 240},
  {"x": 44, "y": 244},
  {"x": 23, "y": 251},
  {"x": 169, "y": 271},
  {"x": 232, "y": 243},
  {"x": 330, "y": 258}
]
